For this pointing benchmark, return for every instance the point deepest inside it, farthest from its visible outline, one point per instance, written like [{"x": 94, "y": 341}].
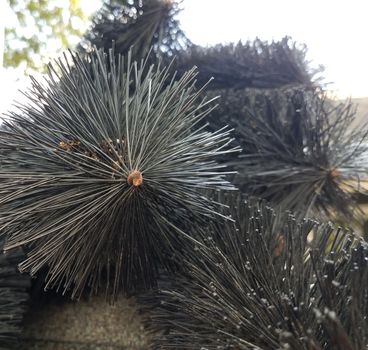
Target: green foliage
[{"x": 40, "y": 26}]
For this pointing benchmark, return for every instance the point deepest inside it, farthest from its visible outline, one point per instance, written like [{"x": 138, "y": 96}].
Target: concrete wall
[{"x": 85, "y": 325}]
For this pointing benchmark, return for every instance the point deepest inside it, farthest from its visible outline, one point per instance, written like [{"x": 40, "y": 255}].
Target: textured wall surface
[{"x": 85, "y": 325}]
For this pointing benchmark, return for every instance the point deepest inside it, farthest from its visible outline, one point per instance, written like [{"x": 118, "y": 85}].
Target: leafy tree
[{"x": 40, "y": 25}]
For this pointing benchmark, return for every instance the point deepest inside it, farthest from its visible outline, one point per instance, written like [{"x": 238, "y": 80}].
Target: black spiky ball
[
  {"x": 301, "y": 151},
  {"x": 267, "y": 282},
  {"x": 103, "y": 169},
  {"x": 137, "y": 26},
  {"x": 254, "y": 64},
  {"x": 14, "y": 294}
]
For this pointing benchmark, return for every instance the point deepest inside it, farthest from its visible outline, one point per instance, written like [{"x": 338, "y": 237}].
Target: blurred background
[{"x": 34, "y": 31}]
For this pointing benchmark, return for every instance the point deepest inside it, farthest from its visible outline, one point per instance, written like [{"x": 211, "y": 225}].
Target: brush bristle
[
  {"x": 268, "y": 282},
  {"x": 68, "y": 157},
  {"x": 301, "y": 150},
  {"x": 137, "y": 26},
  {"x": 14, "y": 294},
  {"x": 254, "y": 64}
]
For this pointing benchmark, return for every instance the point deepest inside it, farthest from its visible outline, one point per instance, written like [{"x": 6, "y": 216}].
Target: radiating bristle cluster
[
  {"x": 269, "y": 282},
  {"x": 137, "y": 26},
  {"x": 300, "y": 149},
  {"x": 102, "y": 169}
]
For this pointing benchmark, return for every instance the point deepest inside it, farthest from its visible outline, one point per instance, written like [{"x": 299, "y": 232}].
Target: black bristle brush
[
  {"x": 266, "y": 282},
  {"x": 253, "y": 64},
  {"x": 301, "y": 150},
  {"x": 137, "y": 26},
  {"x": 103, "y": 167},
  {"x": 14, "y": 295}
]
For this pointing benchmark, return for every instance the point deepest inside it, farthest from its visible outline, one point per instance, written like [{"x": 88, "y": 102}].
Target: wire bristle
[
  {"x": 268, "y": 282},
  {"x": 254, "y": 64},
  {"x": 137, "y": 26},
  {"x": 68, "y": 159},
  {"x": 13, "y": 297},
  {"x": 300, "y": 150}
]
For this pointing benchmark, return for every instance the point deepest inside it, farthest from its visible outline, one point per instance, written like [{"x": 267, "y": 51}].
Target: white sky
[{"x": 335, "y": 32}]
